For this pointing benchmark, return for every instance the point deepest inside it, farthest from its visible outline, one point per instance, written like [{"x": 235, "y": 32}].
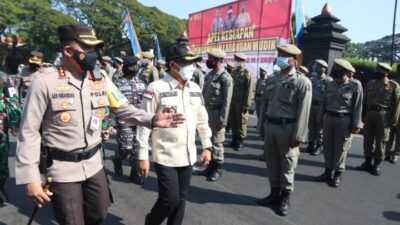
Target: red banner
[{"x": 253, "y": 27}]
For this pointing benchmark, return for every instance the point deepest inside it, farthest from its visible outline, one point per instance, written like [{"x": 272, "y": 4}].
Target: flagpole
[{"x": 393, "y": 34}]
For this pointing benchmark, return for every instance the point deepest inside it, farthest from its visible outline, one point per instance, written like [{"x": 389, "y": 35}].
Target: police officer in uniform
[
  {"x": 10, "y": 113},
  {"x": 283, "y": 125},
  {"x": 242, "y": 97},
  {"x": 229, "y": 67},
  {"x": 381, "y": 103},
  {"x": 304, "y": 71},
  {"x": 148, "y": 73},
  {"x": 118, "y": 63},
  {"x": 68, "y": 103},
  {"x": 106, "y": 65},
  {"x": 260, "y": 86},
  {"x": 29, "y": 73},
  {"x": 160, "y": 68},
  {"x": 217, "y": 93},
  {"x": 340, "y": 113},
  {"x": 198, "y": 75},
  {"x": 174, "y": 150},
  {"x": 126, "y": 133},
  {"x": 319, "y": 82}
]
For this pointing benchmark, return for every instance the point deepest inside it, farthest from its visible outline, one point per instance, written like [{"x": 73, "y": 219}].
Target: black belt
[
  {"x": 378, "y": 108},
  {"x": 338, "y": 114},
  {"x": 213, "y": 107},
  {"x": 281, "y": 121},
  {"x": 73, "y": 156},
  {"x": 259, "y": 95}
]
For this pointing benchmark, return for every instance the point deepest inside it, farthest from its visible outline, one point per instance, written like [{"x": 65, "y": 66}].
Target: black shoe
[
  {"x": 310, "y": 147},
  {"x": 326, "y": 176},
  {"x": 117, "y": 166},
  {"x": 2, "y": 196},
  {"x": 317, "y": 150},
  {"x": 135, "y": 177},
  {"x": 261, "y": 157},
  {"x": 216, "y": 172},
  {"x": 147, "y": 220},
  {"x": 239, "y": 146},
  {"x": 271, "y": 199},
  {"x": 366, "y": 166},
  {"x": 337, "y": 178},
  {"x": 394, "y": 158},
  {"x": 283, "y": 208},
  {"x": 201, "y": 171},
  {"x": 387, "y": 157},
  {"x": 376, "y": 170}
]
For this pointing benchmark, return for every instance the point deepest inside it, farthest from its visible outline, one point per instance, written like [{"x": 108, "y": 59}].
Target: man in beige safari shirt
[{"x": 174, "y": 149}]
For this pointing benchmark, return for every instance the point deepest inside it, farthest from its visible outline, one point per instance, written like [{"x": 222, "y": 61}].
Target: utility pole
[{"x": 393, "y": 34}]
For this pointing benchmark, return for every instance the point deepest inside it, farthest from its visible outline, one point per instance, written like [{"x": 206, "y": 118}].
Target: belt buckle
[{"x": 284, "y": 121}]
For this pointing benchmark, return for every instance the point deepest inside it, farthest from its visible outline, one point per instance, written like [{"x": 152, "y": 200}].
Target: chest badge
[
  {"x": 63, "y": 88},
  {"x": 65, "y": 117},
  {"x": 100, "y": 113},
  {"x": 65, "y": 105}
]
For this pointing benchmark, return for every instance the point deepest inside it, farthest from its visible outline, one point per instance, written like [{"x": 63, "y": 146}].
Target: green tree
[
  {"x": 35, "y": 21},
  {"x": 106, "y": 17}
]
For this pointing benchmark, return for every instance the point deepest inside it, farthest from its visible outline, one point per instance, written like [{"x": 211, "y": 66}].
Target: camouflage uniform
[
  {"x": 125, "y": 134},
  {"x": 10, "y": 113}
]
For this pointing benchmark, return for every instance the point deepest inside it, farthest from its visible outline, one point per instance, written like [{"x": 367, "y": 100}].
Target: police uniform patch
[
  {"x": 65, "y": 105},
  {"x": 195, "y": 94},
  {"x": 148, "y": 94},
  {"x": 65, "y": 117},
  {"x": 169, "y": 94},
  {"x": 62, "y": 88}
]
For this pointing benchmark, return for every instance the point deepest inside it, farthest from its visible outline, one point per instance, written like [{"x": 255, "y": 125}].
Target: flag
[
  {"x": 300, "y": 21},
  {"x": 129, "y": 31},
  {"x": 157, "y": 51}
]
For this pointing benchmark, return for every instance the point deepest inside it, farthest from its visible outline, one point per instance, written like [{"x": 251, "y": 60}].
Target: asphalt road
[{"x": 361, "y": 199}]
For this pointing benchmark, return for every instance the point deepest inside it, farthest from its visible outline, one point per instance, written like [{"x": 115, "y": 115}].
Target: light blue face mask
[{"x": 282, "y": 62}]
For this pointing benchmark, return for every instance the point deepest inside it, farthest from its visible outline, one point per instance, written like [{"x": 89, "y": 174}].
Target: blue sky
[{"x": 366, "y": 19}]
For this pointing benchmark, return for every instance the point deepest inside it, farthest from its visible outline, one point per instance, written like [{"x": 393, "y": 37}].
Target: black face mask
[
  {"x": 86, "y": 60},
  {"x": 379, "y": 75},
  {"x": 336, "y": 73},
  {"x": 129, "y": 71},
  {"x": 33, "y": 67},
  {"x": 210, "y": 64}
]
